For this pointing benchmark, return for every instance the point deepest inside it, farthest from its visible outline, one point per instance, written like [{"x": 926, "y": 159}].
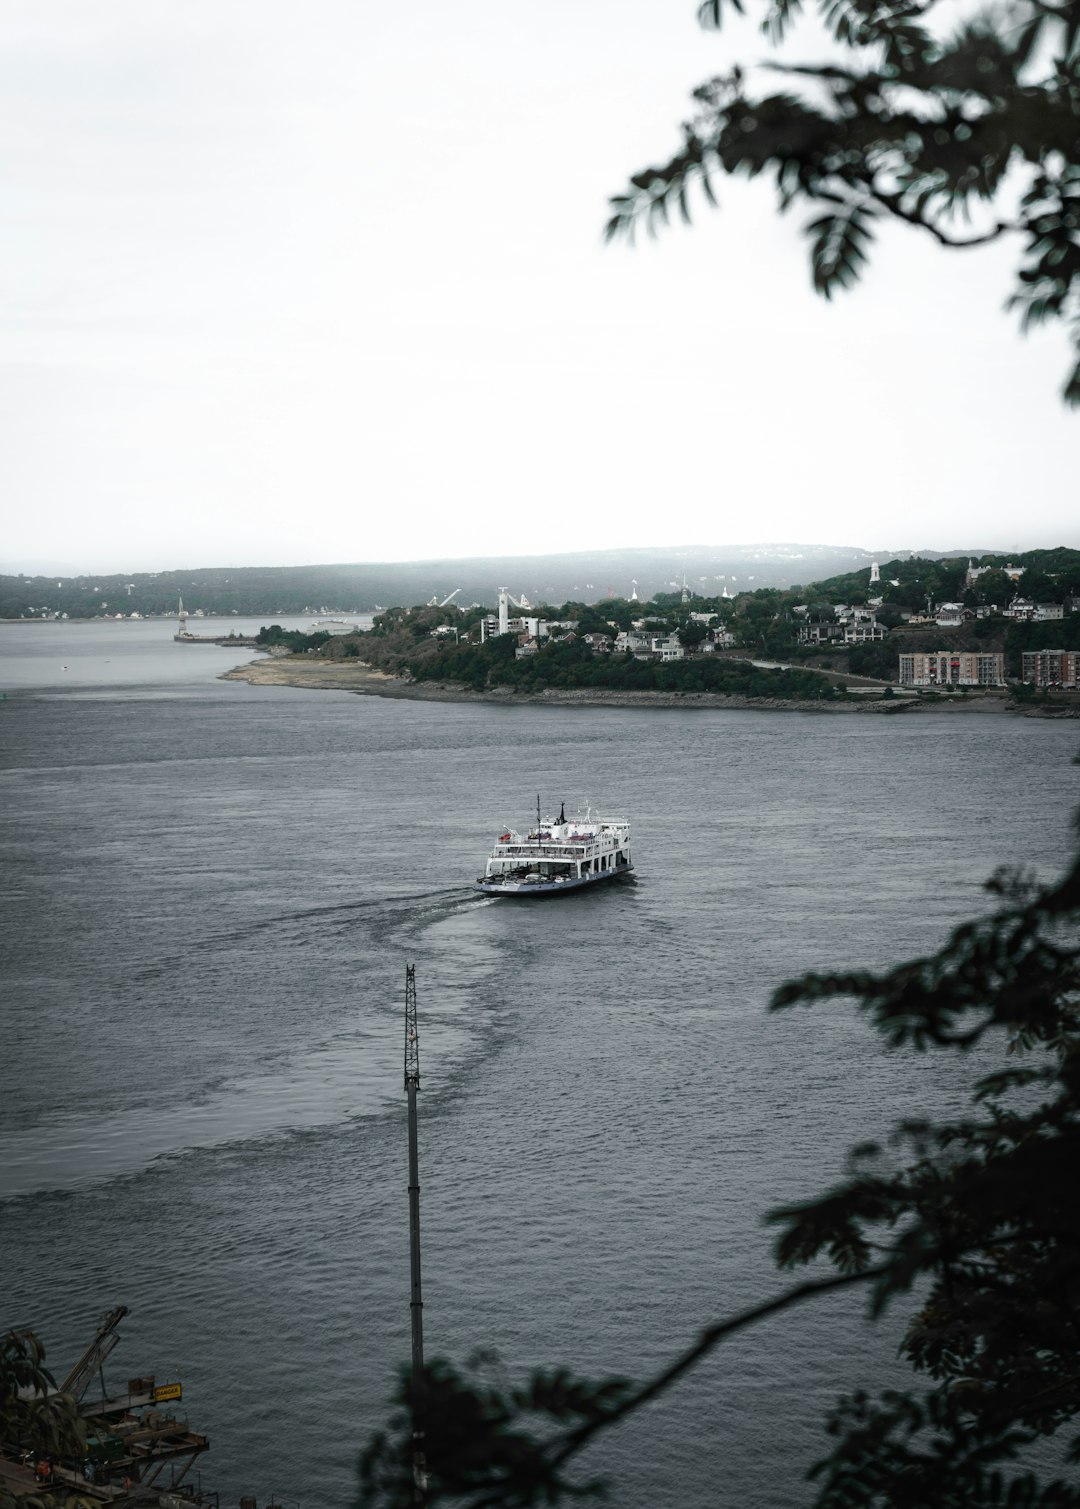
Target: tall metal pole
[{"x": 416, "y": 1303}]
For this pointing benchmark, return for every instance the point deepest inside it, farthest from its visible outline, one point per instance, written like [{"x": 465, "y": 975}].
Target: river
[{"x": 211, "y": 891}]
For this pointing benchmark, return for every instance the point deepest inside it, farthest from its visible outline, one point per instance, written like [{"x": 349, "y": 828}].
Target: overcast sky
[{"x": 290, "y": 284}]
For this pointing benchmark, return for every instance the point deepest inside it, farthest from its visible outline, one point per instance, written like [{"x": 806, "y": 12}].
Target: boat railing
[{"x": 543, "y": 851}]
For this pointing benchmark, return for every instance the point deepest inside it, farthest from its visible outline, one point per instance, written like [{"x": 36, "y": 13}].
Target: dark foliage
[
  {"x": 978, "y": 1213},
  {"x": 1057, "y": 634},
  {"x": 875, "y": 658},
  {"x": 571, "y": 664},
  {"x": 34, "y": 1418},
  {"x": 293, "y": 640},
  {"x": 918, "y": 117}
]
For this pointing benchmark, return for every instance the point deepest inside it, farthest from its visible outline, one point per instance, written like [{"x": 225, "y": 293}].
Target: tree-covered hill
[
  {"x": 1049, "y": 575},
  {"x": 289, "y": 590},
  {"x": 765, "y": 624}
]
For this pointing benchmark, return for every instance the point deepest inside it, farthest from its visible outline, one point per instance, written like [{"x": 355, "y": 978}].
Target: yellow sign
[{"x": 168, "y": 1391}]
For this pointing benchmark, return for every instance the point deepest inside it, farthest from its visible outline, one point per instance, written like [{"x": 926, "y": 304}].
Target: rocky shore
[{"x": 354, "y": 676}]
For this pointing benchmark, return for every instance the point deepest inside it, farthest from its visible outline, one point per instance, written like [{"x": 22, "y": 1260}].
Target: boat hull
[{"x": 529, "y": 889}]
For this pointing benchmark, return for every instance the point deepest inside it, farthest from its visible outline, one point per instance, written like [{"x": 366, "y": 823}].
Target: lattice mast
[{"x": 416, "y": 1303}]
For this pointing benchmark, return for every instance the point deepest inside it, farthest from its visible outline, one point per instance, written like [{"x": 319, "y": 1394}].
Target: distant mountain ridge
[{"x": 586, "y": 575}]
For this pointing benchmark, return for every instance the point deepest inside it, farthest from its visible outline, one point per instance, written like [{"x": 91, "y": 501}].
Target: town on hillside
[{"x": 899, "y": 626}]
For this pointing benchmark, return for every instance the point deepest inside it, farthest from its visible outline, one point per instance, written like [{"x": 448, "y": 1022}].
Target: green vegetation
[
  {"x": 571, "y": 663},
  {"x": 321, "y": 590},
  {"x": 961, "y": 124},
  {"x": 976, "y": 1214},
  {"x": 764, "y": 624},
  {"x": 1059, "y": 634},
  {"x": 33, "y": 1417},
  {"x": 295, "y": 642},
  {"x": 279, "y": 591}
]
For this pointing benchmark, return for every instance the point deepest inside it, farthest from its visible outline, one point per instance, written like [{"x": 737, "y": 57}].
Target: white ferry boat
[{"x": 557, "y": 856}]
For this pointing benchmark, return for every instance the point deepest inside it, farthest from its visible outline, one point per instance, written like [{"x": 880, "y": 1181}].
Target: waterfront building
[
  {"x": 953, "y": 668},
  {"x": 1052, "y": 668}
]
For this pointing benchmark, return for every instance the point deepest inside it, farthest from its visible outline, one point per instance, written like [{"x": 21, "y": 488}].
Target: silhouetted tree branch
[{"x": 917, "y": 124}]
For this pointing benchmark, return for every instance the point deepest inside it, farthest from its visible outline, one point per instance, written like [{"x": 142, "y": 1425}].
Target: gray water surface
[{"x": 210, "y": 895}]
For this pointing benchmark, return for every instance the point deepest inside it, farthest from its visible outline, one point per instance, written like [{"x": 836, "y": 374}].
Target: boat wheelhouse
[{"x": 557, "y": 857}]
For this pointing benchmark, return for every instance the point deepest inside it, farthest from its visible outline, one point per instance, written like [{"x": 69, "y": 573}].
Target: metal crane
[
  {"x": 93, "y": 1359},
  {"x": 416, "y": 1302}
]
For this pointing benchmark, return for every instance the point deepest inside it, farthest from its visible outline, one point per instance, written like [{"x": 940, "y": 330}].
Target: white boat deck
[{"x": 557, "y": 856}]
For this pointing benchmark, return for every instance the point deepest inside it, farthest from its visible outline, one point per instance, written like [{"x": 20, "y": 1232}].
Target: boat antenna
[
  {"x": 538, "y": 817},
  {"x": 416, "y": 1303},
  {"x": 562, "y": 812}
]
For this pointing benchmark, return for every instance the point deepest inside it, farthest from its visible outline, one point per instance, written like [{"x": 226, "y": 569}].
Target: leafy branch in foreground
[
  {"x": 980, "y": 1213},
  {"x": 909, "y": 125},
  {"x": 34, "y": 1416}
]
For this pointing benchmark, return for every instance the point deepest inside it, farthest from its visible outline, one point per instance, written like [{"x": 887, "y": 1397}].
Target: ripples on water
[{"x": 210, "y": 897}]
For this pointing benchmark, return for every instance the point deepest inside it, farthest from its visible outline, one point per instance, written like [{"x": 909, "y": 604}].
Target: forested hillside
[{"x": 290, "y": 590}]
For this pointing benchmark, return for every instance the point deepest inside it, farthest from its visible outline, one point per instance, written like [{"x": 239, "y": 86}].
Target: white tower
[
  {"x": 875, "y": 573},
  {"x": 504, "y": 611},
  {"x": 633, "y": 594}
]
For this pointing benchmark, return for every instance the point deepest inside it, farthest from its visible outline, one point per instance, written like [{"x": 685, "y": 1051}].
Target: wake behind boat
[{"x": 557, "y": 857}]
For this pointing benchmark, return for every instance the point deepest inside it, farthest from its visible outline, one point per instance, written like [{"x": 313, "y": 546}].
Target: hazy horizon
[
  {"x": 54, "y": 567},
  {"x": 331, "y": 286}
]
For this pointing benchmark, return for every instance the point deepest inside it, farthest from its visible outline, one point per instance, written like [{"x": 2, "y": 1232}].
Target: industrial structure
[
  {"x": 132, "y": 1435},
  {"x": 416, "y": 1301}
]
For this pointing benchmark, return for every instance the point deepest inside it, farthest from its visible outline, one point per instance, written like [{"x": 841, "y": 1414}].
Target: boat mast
[{"x": 416, "y": 1303}]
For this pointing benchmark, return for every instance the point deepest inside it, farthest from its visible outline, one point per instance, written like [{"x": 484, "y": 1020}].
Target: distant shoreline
[{"x": 364, "y": 680}]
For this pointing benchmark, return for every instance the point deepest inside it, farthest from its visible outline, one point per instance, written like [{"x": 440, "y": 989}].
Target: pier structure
[
  {"x": 132, "y": 1435},
  {"x": 244, "y": 640},
  {"x": 184, "y": 636}
]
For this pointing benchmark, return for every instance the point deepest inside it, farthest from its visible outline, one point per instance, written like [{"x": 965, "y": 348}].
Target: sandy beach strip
[{"x": 309, "y": 673}]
